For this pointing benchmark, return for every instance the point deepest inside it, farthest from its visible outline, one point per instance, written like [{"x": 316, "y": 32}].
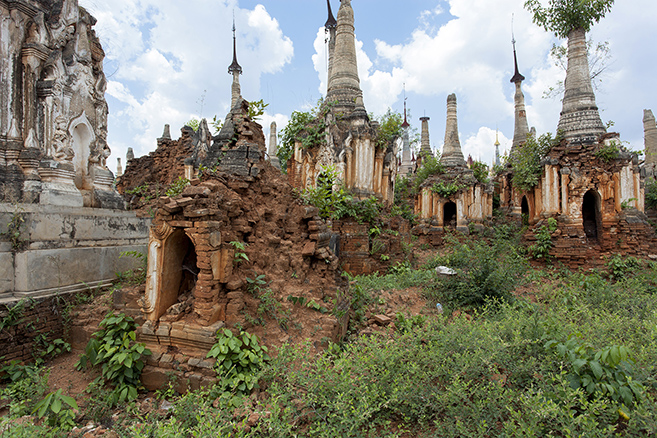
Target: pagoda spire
[
  {"x": 497, "y": 148},
  {"x": 343, "y": 82},
  {"x": 331, "y": 22},
  {"x": 407, "y": 163},
  {"x": 521, "y": 128},
  {"x": 580, "y": 119},
  {"x": 452, "y": 155},
  {"x": 236, "y": 70}
]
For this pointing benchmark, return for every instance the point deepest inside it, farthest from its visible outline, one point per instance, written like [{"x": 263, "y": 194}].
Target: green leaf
[{"x": 596, "y": 368}]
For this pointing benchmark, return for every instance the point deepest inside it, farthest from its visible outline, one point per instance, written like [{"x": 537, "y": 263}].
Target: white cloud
[
  {"x": 481, "y": 145},
  {"x": 168, "y": 59}
]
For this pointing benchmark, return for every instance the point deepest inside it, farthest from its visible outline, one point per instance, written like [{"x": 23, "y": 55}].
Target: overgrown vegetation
[
  {"x": 334, "y": 202},
  {"x": 239, "y": 360},
  {"x": 121, "y": 358},
  {"x": 307, "y": 127},
  {"x": 390, "y": 129},
  {"x": 15, "y": 230},
  {"x": 562, "y": 16},
  {"x": 526, "y": 160},
  {"x": 541, "y": 249}
]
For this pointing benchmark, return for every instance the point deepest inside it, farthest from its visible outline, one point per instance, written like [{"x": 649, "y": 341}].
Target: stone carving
[
  {"x": 62, "y": 150},
  {"x": 52, "y": 69}
]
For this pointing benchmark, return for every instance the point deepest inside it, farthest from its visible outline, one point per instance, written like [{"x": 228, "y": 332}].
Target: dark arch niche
[
  {"x": 524, "y": 210},
  {"x": 449, "y": 215},
  {"x": 591, "y": 214},
  {"x": 179, "y": 271}
]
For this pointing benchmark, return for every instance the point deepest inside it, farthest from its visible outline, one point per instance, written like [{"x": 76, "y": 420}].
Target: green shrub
[
  {"x": 483, "y": 272},
  {"x": 541, "y": 249},
  {"x": 28, "y": 384},
  {"x": 239, "y": 360},
  {"x": 114, "y": 348},
  {"x": 606, "y": 372},
  {"x": 58, "y": 409},
  {"x": 619, "y": 266}
]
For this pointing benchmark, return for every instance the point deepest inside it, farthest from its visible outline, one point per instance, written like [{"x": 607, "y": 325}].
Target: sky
[{"x": 166, "y": 62}]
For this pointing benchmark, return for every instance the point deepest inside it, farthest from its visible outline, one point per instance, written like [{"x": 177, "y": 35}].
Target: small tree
[{"x": 562, "y": 16}]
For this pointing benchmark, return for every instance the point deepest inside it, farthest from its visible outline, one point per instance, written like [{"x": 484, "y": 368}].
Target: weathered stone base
[{"x": 64, "y": 248}]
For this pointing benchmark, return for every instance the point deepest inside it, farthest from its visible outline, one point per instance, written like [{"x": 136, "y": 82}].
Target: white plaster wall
[
  {"x": 627, "y": 184},
  {"x": 364, "y": 159}
]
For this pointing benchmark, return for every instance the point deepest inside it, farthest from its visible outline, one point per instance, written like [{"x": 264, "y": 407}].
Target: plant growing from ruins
[
  {"x": 608, "y": 152},
  {"x": 562, "y": 16},
  {"x": 627, "y": 203},
  {"x": 541, "y": 249},
  {"x": 121, "y": 358},
  {"x": 526, "y": 159},
  {"x": 239, "y": 360},
  {"x": 255, "y": 285},
  {"x": 430, "y": 166},
  {"x": 137, "y": 275},
  {"x": 177, "y": 187},
  {"x": 480, "y": 171},
  {"x": 390, "y": 129},
  {"x": 239, "y": 256},
  {"x": 15, "y": 230},
  {"x": 447, "y": 189},
  {"x": 257, "y": 109},
  {"x": 651, "y": 193},
  {"x": 306, "y": 127}
]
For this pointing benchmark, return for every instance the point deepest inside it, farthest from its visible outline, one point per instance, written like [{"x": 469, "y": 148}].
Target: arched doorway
[
  {"x": 449, "y": 215},
  {"x": 178, "y": 274},
  {"x": 524, "y": 210},
  {"x": 591, "y": 214}
]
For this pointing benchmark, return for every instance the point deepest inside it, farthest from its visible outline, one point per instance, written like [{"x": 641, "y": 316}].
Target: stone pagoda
[
  {"x": 349, "y": 142},
  {"x": 589, "y": 183},
  {"x": 453, "y": 198}
]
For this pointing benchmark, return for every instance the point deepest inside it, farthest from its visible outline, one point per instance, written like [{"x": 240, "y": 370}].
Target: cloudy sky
[{"x": 167, "y": 63}]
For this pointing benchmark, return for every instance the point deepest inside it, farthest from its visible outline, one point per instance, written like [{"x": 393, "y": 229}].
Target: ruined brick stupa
[{"x": 589, "y": 183}]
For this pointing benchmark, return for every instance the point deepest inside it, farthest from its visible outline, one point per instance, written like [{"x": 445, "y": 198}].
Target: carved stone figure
[{"x": 62, "y": 150}]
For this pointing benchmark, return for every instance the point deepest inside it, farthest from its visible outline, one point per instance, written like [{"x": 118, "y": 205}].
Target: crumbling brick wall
[{"x": 23, "y": 321}]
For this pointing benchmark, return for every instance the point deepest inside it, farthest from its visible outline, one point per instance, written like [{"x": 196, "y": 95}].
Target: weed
[
  {"x": 114, "y": 348},
  {"x": 54, "y": 408},
  {"x": 239, "y": 255},
  {"x": 239, "y": 358},
  {"x": 541, "y": 249}
]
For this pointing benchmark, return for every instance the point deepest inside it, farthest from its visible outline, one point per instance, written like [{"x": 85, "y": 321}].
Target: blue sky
[{"x": 167, "y": 62}]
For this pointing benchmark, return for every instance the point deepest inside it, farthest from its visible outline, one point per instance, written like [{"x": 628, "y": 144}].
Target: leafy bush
[
  {"x": 608, "y": 152},
  {"x": 389, "y": 129},
  {"x": 430, "y": 166},
  {"x": 54, "y": 408},
  {"x": 480, "y": 172},
  {"x": 114, "y": 348},
  {"x": 541, "y": 249},
  {"x": 526, "y": 160},
  {"x": 607, "y": 372},
  {"x": 483, "y": 273},
  {"x": 28, "y": 384},
  {"x": 334, "y": 202},
  {"x": 447, "y": 189},
  {"x": 619, "y": 266},
  {"x": 239, "y": 360}
]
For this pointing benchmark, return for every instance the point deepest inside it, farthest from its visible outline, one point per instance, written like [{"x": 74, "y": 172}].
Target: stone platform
[{"x": 64, "y": 249}]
